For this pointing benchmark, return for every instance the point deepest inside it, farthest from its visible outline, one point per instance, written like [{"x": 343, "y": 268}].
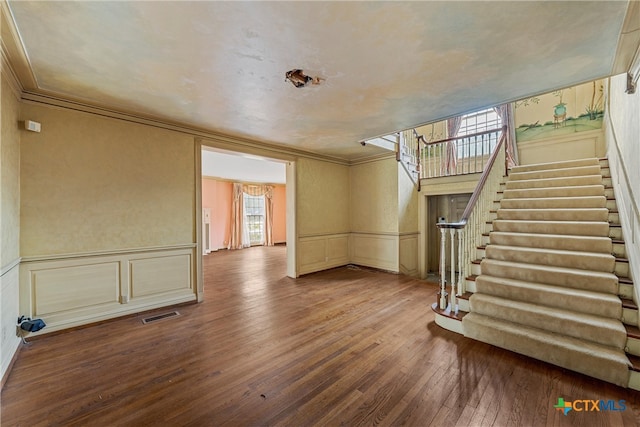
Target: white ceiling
[
  {"x": 220, "y": 66},
  {"x": 235, "y": 167}
]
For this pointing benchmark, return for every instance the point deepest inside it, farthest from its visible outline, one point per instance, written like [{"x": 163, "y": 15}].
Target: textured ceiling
[{"x": 387, "y": 66}]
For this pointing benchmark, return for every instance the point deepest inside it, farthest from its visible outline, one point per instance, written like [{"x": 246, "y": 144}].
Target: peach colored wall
[
  {"x": 279, "y": 214},
  {"x": 216, "y": 195}
]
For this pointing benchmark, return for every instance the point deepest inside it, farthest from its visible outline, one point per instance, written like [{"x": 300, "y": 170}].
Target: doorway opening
[{"x": 244, "y": 201}]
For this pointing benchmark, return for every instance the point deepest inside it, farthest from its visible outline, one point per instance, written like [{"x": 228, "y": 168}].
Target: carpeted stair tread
[
  {"x": 560, "y": 276},
  {"x": 572, "y": 228},
  {"x": 554, "y": 182},
  {"x": 592, "y": 359},
  {"x": 573, "y": 191},
  {"x": 588, "y": 327},
  {"x": 553, "y": 241},
  {"x": 582, "y": 301},
  {"x": 555, "y": 202},
  {"x": 592, "y": 261},
  {"x": 555, "y": 165},
  {"x": 555, "y": 173},
  {"x": 581, "y": 214},
  {"x": 547, "y": 287}
]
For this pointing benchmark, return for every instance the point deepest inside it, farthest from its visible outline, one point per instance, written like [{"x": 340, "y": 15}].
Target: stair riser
[
  {"x": 463, "y": 305},
  {"x": 630, "y": 316},
  {"x": 547, "y": 227},
  {"x": 622, "y": 269},
  {"x": 633, "y": 346},
  {"x": 625, "y": 291},
  {"x": 611, "y": 205},
  {"x": 555, "y": 203},
  {"x": 556, "y": 173},
  {"x": 556, "y": 182},
  {"x": 553, "y": 297},
  {"x": 575, "y": 279},
  {"x": 600, "y": 215},
  {"x": 613, "y": 218},
  {"x": 475, "y": 269},
  {"x": 615, "y": 233},
  {"x": 470, "y": 286},
  {"x": 578, "y": 260},
  {"x": 557, "y": 165},
  {"x": 619, "y": 250},
  {"x": 589, "y": 190},
  {"x": 570, "y": 243}
]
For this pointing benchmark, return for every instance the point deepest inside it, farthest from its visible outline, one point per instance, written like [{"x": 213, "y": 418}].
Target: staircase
[{"x": 553, "y": 283}]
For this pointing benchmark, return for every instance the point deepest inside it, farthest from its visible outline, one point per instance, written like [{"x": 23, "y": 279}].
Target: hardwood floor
[{"x": 341, "y": 347}]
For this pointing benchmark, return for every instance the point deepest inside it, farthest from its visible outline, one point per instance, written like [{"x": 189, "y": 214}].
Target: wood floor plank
[{"x": 341, "y": 347}]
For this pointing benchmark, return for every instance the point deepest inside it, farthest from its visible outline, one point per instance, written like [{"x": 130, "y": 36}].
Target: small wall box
[{"x": 32, "y": 126}]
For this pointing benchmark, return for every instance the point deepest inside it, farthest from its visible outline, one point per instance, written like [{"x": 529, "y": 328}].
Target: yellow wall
[
  {"x": 10, "y": 179},
  {"x": 95, "y": 184},
  {"x": 407, "y": 203},
  {"x": 322, "y": 197},
  {"x": 9, "y": 223},
  {"x": 374, "y": 197}
]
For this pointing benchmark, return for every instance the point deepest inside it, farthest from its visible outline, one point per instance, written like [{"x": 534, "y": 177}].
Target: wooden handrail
[
  {"x": 463, "y": 136},
  {"x": 483, "y": 180}
]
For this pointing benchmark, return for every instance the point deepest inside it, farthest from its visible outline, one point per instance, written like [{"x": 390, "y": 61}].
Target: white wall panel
[
  {"x": 160, "y": 274},
  {"x": 375, "y": 250},
  {"x": 75, "y": 286},
  {"x": 77, "y": 289},
  {"x": 316, "y": 253}
]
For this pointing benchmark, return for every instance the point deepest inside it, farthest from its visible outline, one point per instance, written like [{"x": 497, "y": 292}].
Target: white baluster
[
  {"x": 460, "y": 262},
  {"x": 452, "y": 297},
  {"x": 443, "y": 283}
]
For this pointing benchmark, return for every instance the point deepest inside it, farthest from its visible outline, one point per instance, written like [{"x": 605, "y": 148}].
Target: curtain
[
  {"x": 239, "y": 237},
  {"x": 451, "y": 157},
  {"x": 239, "y": 229},
  {"x": 506, "y": 114}
]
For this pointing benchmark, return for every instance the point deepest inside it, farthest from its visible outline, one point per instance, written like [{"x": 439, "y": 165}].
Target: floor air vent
[{"x": 158, "y": 317}]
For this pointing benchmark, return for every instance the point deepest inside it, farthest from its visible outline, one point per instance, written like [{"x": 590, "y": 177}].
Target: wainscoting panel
[
  {"x": 157, "y": 275},
  {"x": 409, "y": 254},
  {"x": 72, "y": 287},
  {"x": 375, "y": 250},
  {"x": 578, "y": 145},
  {"x": 73, "y": 290},
  {"x": 316, "y": 253}
]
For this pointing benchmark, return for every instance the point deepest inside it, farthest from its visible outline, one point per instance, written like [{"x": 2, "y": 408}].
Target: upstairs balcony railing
[
  {"x": 465, "y": 236},
  {"x": 459, "y": 155}
]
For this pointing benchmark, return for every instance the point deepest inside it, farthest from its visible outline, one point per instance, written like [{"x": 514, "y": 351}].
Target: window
[
  {"x": 479, "y": 122},
  {"x": 479, "y": 146},
  {"x": 254, "y": 215}
]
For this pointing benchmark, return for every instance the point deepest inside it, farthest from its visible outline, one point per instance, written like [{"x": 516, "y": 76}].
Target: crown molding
[
  {"x": 629, "y": 41},
  {"x": 373, "y": 158},
  {"x": 13, "y": 49},
  {"x": 205, "y": 136}
]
